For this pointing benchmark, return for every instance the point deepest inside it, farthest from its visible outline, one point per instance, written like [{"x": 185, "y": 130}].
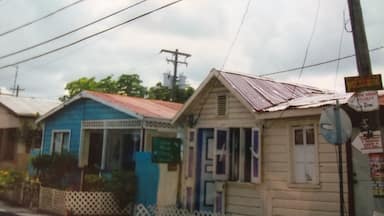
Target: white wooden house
[
  {"x": 252, "y": 147},
  {"x": 18, "y": 131}
]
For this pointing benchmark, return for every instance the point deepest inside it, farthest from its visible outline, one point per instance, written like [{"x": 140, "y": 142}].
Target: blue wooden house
[{"x": 104, "y": 131}]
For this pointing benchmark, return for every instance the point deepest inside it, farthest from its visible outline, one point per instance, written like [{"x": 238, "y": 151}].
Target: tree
[
  {"x": 161, "y": 92},
  {"x": 127, "y": 84},
  {"x": 76, "y": 86},
  {"x": 130, "y": 84}
]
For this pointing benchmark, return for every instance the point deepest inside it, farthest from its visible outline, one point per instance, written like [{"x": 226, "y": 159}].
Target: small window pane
[
  {"x": 299, "y": 137},
  {"x": 220, "y": 164},
  {"x": 310, "y": 135},
  {"x": 57, "y": 137},
  {"x": 65, "y": 142}
]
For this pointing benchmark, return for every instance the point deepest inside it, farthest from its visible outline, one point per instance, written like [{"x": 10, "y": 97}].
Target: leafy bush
[
  {"x": 10, "y": 179},
  {"x": 93, "y": 182},
  {"x": 54, "y": 170},
  {"x": 122, "y": 185}
]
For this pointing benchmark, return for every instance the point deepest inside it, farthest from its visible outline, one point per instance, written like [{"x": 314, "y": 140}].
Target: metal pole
[
  {"x": 174, "y": 76},
  {"x": 340, "y": 157}
]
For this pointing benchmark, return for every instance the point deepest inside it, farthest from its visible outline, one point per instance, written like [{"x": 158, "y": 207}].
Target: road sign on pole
[{"x": 363, "y": 83}]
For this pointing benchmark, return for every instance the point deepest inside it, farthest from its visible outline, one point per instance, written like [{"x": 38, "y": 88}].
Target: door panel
[{"x": 206, "y": 182}]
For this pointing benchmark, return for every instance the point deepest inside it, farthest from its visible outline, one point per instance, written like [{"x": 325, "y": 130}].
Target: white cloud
[{"x": 273, "y": 37}]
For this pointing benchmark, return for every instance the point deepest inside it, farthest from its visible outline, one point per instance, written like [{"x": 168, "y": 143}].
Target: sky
[{"x": 267, "y": 37}]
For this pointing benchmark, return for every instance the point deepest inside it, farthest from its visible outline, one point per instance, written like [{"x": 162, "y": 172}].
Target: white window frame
[
  {"x": 222, "y": 152},
  {"x": 242, "y": 156},
  {"x": 61, "y": 146},
  {"x": 315, "y": 179}
]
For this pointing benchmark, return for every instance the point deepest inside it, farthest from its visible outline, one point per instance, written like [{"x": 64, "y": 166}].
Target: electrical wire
[
  {"x": 237, "y": 34},
  {"x": 305, "y": 57},
  {"x": 317, "y": 64},
  {"x": 310, "y": 40},
  {"x": 72, "y": 31},
  {"x": 91, "y": 36},
  {"x": 41, "y": 18},
  {"x": 339, "y": 51}
]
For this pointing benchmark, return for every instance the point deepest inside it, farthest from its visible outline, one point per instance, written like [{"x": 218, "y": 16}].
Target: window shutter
[
  {"x": 221, "y": 105},
  {"x": 190, "y": 152},
  {"x": 256, "y": 156},
  {"x": 221, "y": 153}
]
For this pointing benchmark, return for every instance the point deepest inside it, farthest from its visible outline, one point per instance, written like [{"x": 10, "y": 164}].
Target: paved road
[
  {"x": 7, "y": 214},
  {"x": 11, "y": 210}
]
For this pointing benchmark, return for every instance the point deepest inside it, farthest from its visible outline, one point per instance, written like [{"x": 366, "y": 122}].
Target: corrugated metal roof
[
  {"x": 148, "y": 108},
  {"x": 312, "y": 101},
  {"x": 263, "y": 94},
  {"x": 24, "y": 106}
]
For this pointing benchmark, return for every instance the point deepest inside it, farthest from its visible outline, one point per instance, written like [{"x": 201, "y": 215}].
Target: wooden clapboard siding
[
  {"x": 276, "y": 195},
  {"x": 8, "y": 119},
  {"x": 70, "y": 118},
  {"x": 237, "y": 114},
  {"x": 289, "y": 199},
  {"x": 243, "y": 199}
]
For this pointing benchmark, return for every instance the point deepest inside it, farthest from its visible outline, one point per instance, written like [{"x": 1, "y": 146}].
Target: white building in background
[{"x": 181, "y": 80}]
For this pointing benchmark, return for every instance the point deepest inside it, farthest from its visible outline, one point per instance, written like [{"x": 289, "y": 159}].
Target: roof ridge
[
  {"x": 275, "y": 81},
  {"x": 130, "y": 96}
]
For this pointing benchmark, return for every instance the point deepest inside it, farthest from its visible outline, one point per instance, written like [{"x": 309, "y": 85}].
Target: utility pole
[
  {"x": 359, "y": 38},
  {"x": 15, "y": 80},
  {"x": 365, "y": 74},
  {"x": 17, "y": 90},
  {"x": 175, "y": 61}
]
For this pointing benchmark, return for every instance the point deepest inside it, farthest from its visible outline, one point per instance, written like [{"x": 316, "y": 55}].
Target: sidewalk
[{"x": 7, "y": 209}]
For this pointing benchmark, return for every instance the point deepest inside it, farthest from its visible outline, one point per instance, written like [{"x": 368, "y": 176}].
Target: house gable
[
  {"x": 70, "y": 117},
  {"x": 204, "y": 107},
  {"x": 8, "y": 119}
]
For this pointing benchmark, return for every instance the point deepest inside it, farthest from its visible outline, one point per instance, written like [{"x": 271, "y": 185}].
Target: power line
[
  {"x": 41, "y": 18},
  {"x": 237, "y": 34},
  {"x": 70, "y": 32},
  {"x": 339, "y": 50},
  {"x": 90, "y": 36},
  {"x": 310, "y": 40},
  {"x": 317, "y": 64}
]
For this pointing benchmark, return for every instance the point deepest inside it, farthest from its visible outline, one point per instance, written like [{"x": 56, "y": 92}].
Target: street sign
[
  {"x": 363, "y": 83},
  {"x": 366, "y": 101},
  {"x": 368, "y": 142},
  {"x": 328, "y": 125},
  {"x": 165, "y": 150}
]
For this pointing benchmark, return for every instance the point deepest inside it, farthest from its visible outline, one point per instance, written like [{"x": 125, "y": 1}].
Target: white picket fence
[
  {"x": 141, "y": 210},
  {"x": 102, "y": 203}
]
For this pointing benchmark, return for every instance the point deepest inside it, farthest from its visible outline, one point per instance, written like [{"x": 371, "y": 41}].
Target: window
[
  {"x": 244, "y": 154},
  {"x": 304, "y": 155},
  {"x": 221, "y": 105},
  {"x": 60, "y": 141},
  {"x": 8, "y": 144}
]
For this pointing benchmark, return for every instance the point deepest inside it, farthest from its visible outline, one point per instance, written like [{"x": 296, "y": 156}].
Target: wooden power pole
[
  {"x": 175, "y": 61},
  {"x": 359, "y": 38}
]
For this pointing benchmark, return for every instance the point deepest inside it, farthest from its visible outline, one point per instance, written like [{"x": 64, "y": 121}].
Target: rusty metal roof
[
  {"x": 147, "y": 108},
  {"x": 26, "y": 106},
  {"x": 133, "y": 106},
  {"x": 263, "y": 94}
]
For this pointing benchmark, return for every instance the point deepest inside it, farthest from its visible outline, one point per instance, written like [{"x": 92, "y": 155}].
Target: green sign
[{"x": 165, "y": 150}]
